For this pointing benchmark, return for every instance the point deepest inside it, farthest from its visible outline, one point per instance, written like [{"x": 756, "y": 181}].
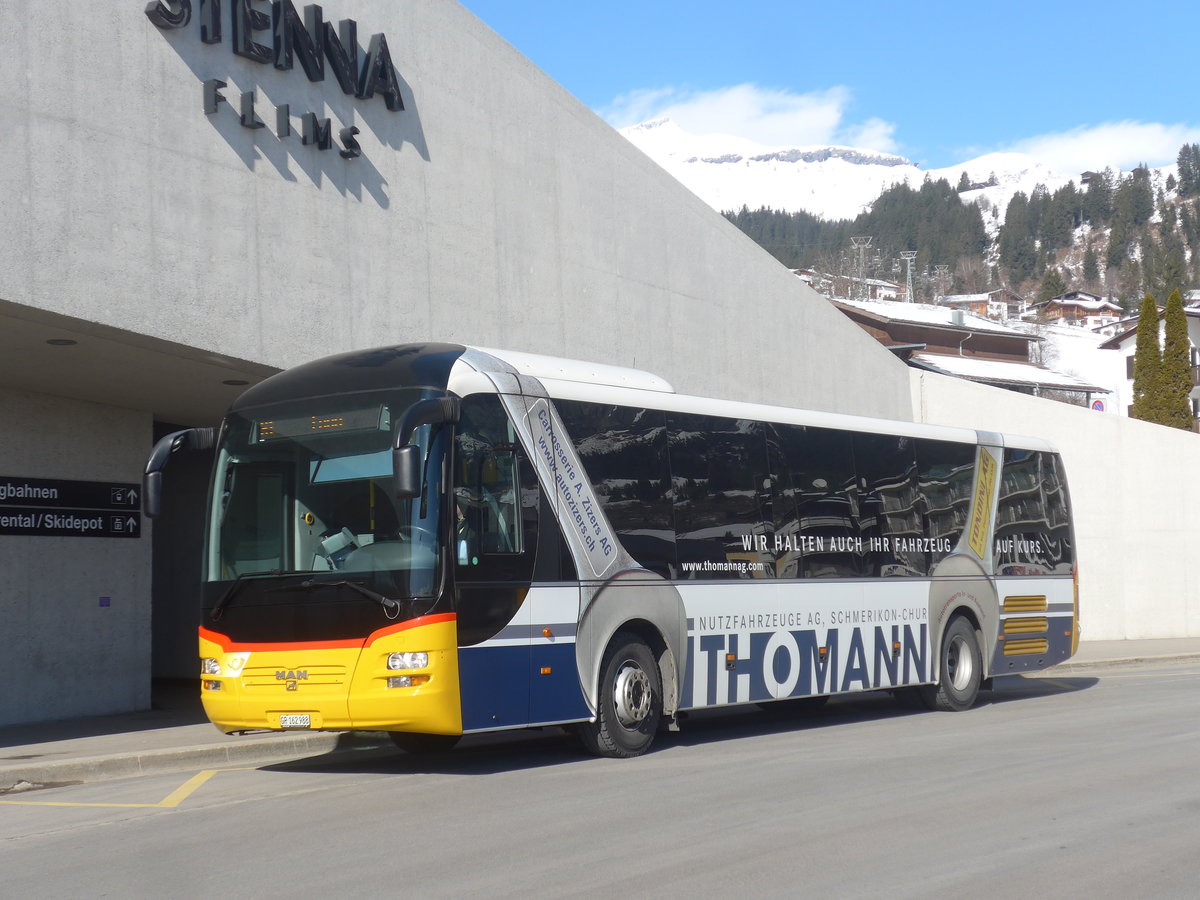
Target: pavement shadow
[
  {"x": 1018, "y": 687},
  {"x": 173, "y": 702},
  {"x": 482, "y": 754},
  {"x": 489, "y": 754}
]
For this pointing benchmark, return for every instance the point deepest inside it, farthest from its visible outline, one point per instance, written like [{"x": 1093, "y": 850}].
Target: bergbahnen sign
[{"x": 51, "y": 507}]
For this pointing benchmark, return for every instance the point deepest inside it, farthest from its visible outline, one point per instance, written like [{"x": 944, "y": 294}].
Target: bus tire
[
  {"x": 960, "y": 669},
  {"x": 630, "y": 700},
  {"x": 423, "y": 744}
]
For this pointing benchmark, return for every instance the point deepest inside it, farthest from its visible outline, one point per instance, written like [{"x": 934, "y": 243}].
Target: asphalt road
[{"x": 1078, "y": 785}]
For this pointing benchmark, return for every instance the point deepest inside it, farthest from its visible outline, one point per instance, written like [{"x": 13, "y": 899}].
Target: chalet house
[
  {"x": 1077, "y": 308},
  {"x": 1000, "y": 304},
  {"x": 1125, "y": 344},
  {"x": 963, "y": 345}
]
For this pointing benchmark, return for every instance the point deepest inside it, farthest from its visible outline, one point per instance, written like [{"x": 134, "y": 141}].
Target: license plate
[{"x": 299, "y": 720}]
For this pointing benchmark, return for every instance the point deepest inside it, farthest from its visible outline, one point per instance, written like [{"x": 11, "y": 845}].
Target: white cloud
[
  {"x": 762, "y": 115},
  {"x": 1118, "y": 144}
]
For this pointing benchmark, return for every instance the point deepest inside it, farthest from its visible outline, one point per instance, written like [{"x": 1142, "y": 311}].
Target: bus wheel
[
  {"x": 630, "y": 702},
  {"x": 960, "y": 670},
  {"x": 423, "y": 744}
]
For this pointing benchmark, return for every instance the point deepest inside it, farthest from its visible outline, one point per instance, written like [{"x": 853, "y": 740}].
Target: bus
[{"x": 434, "y": 540}]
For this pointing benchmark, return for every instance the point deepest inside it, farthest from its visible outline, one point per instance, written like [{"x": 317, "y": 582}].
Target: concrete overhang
[{"x": 179, "y": 384}]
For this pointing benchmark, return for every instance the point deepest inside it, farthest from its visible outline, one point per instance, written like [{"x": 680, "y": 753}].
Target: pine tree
[
  {"x": 1052, "y": 285},
  {"x": 1189, "y": 170},
  {"x": 1176, "y": 387},
  {"x": 1130, "y": 286},
  {"x": 1147, "y": 363},
  {"x": 1190, "y": 228},
  {"x": 1172, "y": 265},
  {"x": 1091, "y": 268},
  {"x": 1018, "y": 251},
  {"x": 1151, "y": 255},
  {"x": 964, "y": 183},
  {"x": 1061, "y": 218},
  {"x": 1098, "y": 199},
  {"x": 1141, "y": 195}
]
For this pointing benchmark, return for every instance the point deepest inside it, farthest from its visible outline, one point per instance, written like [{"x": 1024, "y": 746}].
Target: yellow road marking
[{"x": 171, "y": 801}]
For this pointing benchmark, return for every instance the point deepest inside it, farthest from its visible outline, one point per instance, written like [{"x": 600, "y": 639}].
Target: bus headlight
[
  {"x": 408, "y": 661},
  {"x": 406, "y": 681},
  {"x": 209, "y": 666}
]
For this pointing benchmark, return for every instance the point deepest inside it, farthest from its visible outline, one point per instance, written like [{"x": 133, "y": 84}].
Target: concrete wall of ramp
[
  {"x": 65, "y": 653},
  {"x": 1135, "y": 496},
  {"x": 495, "y": 209}
]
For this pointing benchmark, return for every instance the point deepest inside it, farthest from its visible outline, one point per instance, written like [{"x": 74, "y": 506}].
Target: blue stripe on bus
[{"x": 502, "y": 687}]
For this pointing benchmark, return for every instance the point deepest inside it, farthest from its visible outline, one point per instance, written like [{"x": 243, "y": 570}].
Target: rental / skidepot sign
[
  {"x": 51, "y": 507},
  {"x": 277, "y": 35}
]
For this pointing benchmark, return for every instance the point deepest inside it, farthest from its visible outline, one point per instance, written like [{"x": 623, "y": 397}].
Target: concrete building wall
[
  {"x": 494, "y": 209},
  {"x": 1136, "y": 503},
  {"x": 187, "y": 253},
  {"x": 66, "y": 654}
]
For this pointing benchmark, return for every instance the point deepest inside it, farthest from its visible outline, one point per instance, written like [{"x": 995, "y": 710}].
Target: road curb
[
  {"x": 1072, "y": 664},
  {"x": 249, "y": 752}
]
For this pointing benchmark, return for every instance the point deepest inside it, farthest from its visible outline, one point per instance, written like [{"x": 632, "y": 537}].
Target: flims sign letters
[{"x": 281, "y": 37}]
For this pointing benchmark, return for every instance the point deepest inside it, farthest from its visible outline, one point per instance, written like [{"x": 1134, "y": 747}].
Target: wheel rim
[
  {"x": 631, "y": 694},
  {"x": 960, "y": 664}
]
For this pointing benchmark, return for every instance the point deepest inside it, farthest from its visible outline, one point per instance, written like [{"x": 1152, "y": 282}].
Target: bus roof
[
  {"x": 555, "y": 369},
  {"x": 567, "y": 379},
  {"x": 432, "y": 364}
]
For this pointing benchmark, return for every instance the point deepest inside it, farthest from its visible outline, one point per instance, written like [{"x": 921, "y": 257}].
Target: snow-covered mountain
[{"x": 831, "y": 182}]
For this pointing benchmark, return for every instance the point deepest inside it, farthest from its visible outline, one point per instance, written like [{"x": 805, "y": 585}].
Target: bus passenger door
[
  {"x": 494, "y": 674},
  {"x": 494, "y": 546}
]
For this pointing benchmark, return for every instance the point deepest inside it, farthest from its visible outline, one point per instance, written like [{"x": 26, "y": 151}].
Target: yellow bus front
[{"x": 402, "y": 677}]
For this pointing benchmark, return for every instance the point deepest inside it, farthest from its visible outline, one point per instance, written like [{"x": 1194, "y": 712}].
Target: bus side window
[
  {"x": 724, "y": 527},
  {"x": 488, "y": 503},
  {"x": 892, "y": 509},
  {"x": 816, "y": 504},
  {"x": 1032, "y": 520},
  {"x": 624, "y": 451},
  {"x": 946, "y": 479},
  {"x": 495, "y": 491}
]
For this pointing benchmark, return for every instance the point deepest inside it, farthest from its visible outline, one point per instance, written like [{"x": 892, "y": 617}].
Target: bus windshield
[{"x": 305, "y": 489}]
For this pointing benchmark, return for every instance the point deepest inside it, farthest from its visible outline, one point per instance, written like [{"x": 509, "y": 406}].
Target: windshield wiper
[
  {"x": 391, "y": 607},
  {"x": 239, "y": 582}
]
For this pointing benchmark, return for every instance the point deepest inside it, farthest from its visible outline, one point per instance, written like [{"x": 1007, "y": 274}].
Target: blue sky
[{"x": 1079, "y": 85}]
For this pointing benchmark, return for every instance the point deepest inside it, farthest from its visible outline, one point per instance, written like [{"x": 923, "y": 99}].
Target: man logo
[{"x": 293, "y": 677}]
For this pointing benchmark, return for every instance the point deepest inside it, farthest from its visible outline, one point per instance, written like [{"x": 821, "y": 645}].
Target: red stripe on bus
[
  {"x": 231, "y": 646},
  {"x": 437, "y": 619}
]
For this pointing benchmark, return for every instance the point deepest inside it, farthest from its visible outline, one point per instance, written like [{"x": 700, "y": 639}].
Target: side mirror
[
  {"x": 406, "y": 458},
  {"x": 434, "y": 411},
  {"x": 406, "y": 470},
  {"x": 152, "y": 479}
]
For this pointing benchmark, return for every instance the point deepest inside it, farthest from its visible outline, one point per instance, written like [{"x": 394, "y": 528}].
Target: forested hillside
[{"x": 1119, "y": 234}]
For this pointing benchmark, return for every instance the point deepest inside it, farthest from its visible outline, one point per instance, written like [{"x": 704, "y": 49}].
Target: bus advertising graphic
[{"x": 447, "y": 540}]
